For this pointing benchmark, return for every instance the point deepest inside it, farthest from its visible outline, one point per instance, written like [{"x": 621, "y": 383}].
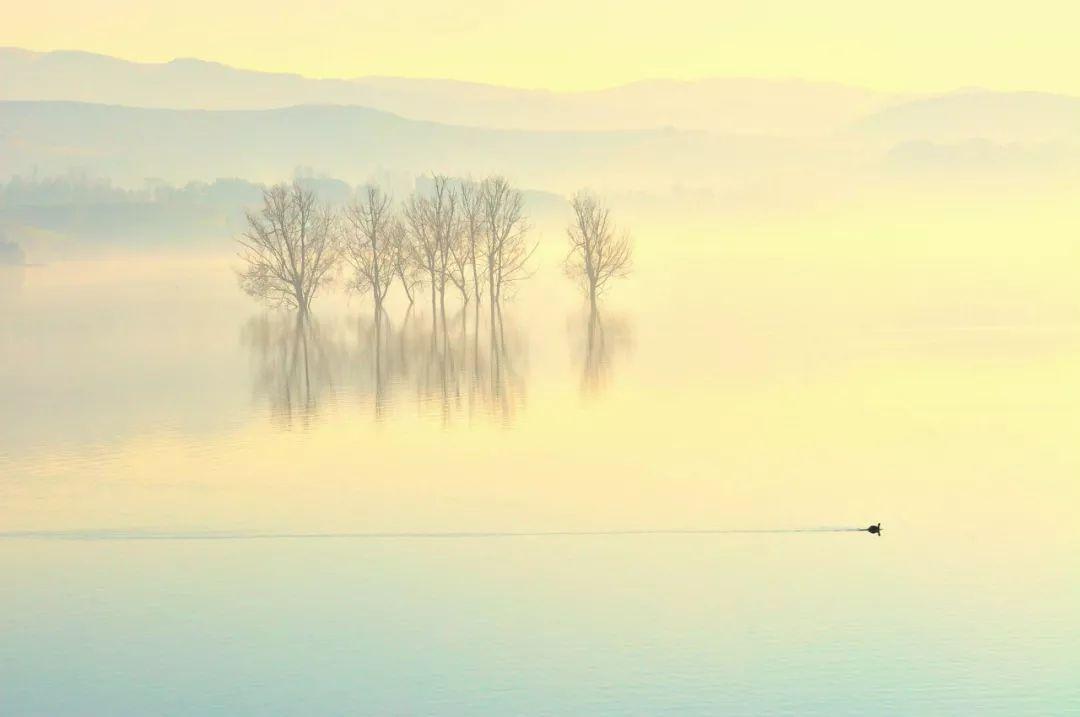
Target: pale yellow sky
[{"x": 578, "y": 44}]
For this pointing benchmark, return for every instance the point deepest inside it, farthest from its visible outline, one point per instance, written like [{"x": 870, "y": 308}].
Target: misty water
[{"x": 908, "y": 363}]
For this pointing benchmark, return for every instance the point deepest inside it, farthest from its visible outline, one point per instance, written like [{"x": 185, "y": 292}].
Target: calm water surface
[{"x": 832, "y": 372}]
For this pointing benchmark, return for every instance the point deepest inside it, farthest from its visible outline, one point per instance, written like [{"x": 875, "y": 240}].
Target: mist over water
[
  {"x": 712, "y": 361},
  {"x": 170, "y": 450}
]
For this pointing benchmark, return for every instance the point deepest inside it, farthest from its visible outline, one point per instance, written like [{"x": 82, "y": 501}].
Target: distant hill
[
  {"x": 978, "y": 114},
  {"x": 355, "y": 143},
  {"x": 736, "y": 105}
]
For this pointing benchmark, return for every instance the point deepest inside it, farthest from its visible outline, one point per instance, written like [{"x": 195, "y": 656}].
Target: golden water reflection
[
  {"x": 455, "y": 368},
  {"x": 600, "y": 341}
]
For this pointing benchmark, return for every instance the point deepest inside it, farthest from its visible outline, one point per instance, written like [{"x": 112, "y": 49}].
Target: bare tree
[
  {"x": 505, "y": 250},
  {"x": 457, "y": 269},
  {"x": 471, "y": 245},
  {"x": 404, "y": 261},
  {"x": 425, "y": 253},
  {"x": 444, "y": 224},
  {"x": 432, "y": 223},
  {"x": 289, "y": 249},
  {"x": 369, "y": 242},
  {"x": 597, "y": 253}
]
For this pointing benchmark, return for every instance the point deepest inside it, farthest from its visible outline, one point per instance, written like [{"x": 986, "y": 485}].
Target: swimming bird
[{"x": 875, "y": 529}]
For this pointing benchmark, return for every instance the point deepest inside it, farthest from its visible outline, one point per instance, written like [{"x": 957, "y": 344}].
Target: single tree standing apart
[{"x": 598, "y": 253}]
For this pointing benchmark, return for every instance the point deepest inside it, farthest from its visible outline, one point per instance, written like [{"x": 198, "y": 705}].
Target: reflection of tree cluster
[{"x": 456, "y": 368}]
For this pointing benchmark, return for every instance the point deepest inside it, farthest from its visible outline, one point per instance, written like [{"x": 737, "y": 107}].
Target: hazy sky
[{"x": 577, "y": 44}]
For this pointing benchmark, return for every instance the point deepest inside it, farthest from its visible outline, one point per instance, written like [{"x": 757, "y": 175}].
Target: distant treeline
[
  {"x": 85, "y": 207},
  {"x": 97, "y": 213},
  {"x": 76, "y": 188}
]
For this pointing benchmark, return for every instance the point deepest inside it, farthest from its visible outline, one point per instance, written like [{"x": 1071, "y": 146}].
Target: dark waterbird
[{"x": 875, "y": 529}]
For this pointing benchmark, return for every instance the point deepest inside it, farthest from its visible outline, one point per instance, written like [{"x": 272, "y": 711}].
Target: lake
[{"x": 209, "y": 508}]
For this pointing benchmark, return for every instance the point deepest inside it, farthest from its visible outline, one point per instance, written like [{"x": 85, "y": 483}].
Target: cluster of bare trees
[{"x": 464, "y": 235}]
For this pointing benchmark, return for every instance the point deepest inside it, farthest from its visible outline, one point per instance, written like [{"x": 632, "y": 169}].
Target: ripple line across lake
[{"x": 241, "y": 535}]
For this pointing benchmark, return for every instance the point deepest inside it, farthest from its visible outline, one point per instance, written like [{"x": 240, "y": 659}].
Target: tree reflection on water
[
  {"x": 457, "y": 368},
  {"x": 598, "y": 342}
]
